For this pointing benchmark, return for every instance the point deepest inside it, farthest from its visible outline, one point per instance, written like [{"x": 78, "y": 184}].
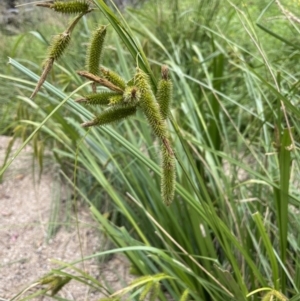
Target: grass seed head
[
  {"x": 111, "y": 115},
  {"x": 95, "y": 50},
  {"x": 149, "y": 105},
  {"x": 164, "y": 96},
  {"x": 67, "y": 7},
  {"x": 113, "y": 77},
  {"x": 168, "y": 175},
  {"x": 58, "y": 45}
]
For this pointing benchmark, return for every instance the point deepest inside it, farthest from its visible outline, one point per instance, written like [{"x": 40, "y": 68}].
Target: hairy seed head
[
  {"x": 111, "y": 115},
  {"x": 95, "y": 50},
  {"x": 164, "y": 96},
  {"x": 68, "y": 7},
  {"x": 149, "y": 105},
  {"x": 168, "y": 175},
  {"x": 58, "y": 45},
  {"x": 113, "y": 77}
]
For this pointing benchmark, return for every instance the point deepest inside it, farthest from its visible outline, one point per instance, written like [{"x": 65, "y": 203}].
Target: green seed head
[
  {"x": 95, "y": 50},
  {"x": 141, "y": 79},
  {"x": 111, "y": 115},
  {"x": 70, "y": 7},
  {"x": 58, "y": 45},
  {"x": 164, "y": 93},
  {"x": 113, "y": 77},
  {"x": 149, "y": 105},
  {"x": 168, "y": 176}
]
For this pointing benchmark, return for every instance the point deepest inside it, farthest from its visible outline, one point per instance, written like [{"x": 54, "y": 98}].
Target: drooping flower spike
[{"x": 67, "y": 7}]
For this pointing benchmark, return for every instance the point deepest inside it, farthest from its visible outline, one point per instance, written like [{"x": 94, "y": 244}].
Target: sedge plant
[
  {"x": 231, "y": 233},
  {"x": 123, "y": 98}
]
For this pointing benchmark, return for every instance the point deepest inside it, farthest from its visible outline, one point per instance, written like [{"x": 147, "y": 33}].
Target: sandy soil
[{"x": 25, "y": 251}]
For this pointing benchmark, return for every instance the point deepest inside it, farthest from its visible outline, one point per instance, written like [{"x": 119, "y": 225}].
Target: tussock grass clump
[{"x": 232, "y": 233}]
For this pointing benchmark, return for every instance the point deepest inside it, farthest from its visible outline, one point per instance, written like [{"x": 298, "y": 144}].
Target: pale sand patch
[{"x": 25, "y": 253}]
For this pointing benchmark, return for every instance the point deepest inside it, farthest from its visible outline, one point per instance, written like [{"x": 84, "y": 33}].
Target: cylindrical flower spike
[
  {"x": 111, "y": 115},
  {"x": 55, "y": 51},
  {"x": 67, "y": 7},
  {"x": 58, "y": 45},
  {"x": 152, "y": 111},
  {"x": 102, "y": 98},
  {"x": 149, "y": 105},
  {"x": 113, "y": 77},
  {"x": 168, "y": 175},
  {"x": 164, "y": 92},
  {"x": 95, "y": 50}
]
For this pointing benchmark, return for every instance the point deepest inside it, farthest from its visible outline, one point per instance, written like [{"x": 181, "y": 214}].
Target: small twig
[
  {"x": 88, "y": 124},
  {"x": 45, "y": 4},
  {"x": 81, "y": 100},
  {"x": 102, "y": 81}
]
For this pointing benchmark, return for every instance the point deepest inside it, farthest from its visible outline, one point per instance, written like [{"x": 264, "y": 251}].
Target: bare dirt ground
[{"x": 25, "y": 251}]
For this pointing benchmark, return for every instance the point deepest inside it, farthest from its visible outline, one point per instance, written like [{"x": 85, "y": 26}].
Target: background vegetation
[{"x": 232, "y": 232}]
